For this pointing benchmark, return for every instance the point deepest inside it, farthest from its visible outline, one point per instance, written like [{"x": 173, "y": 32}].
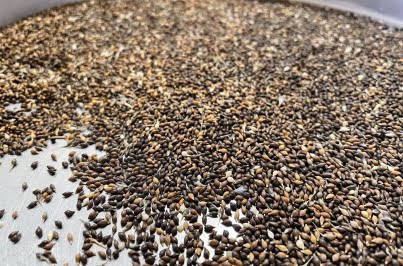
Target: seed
[
  {"x": 78, "y": 258},
  {"x": 67, "y": 194},
  {"x": 34, "y": 165},
  {"x": 14, "y": 215},
  {"x": 52, "y": 259},
  {"x": 13, "y": 164},
  {"x": 214, "y": 243},
  {"x": 287, "y": 132},
  {"x": 32, "y": 204},
  {"x": 59, "y": 224},
  {"x": 69, "y": 213},
  {"x": 102, "y": 255},
  {"x": 70, "y": 238},
  {"x": 44, "y": 216},
  {"x": 84, "y": 259},
  {"x": 39, "y": 232},
  {"x": 14, "y": 236},
  {"x": 2, "y": 212},
  {"x": 48, "y": 198},
  {"x": 48, "y": 246},
  {"x": 206, "y": 253},
  {"x": 51, "y": 170},
  {"x": 24, "y": 186},
  {"x": 50, "y": 235}
]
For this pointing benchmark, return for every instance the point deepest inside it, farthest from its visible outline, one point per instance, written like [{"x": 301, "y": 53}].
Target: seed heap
[{"x": 283, "y": 121}]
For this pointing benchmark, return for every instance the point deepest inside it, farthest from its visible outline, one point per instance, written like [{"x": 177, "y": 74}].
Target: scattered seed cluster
[{"x": 282, "y": 121}]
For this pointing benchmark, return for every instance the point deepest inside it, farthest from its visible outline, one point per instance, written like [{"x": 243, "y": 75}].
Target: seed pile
[{"x": 282, "y": 121}]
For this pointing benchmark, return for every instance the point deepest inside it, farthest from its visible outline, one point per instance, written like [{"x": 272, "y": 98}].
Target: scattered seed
[
  {"x": 59, "y": 224},
  {"x": 70, "y": 238},
  {"x": 34, "y": 165},
  {"x": 44, "y": 216},
  {"x": 69, "y": 213},
  {"x": 24, "y": 186},
  {"x": 39, "y": 232}
]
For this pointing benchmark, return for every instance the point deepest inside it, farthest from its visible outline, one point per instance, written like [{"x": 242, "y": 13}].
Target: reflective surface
[{"x": 387, "y": 11}]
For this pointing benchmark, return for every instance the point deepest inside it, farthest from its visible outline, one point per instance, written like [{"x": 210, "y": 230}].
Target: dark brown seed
[
  {"x": 122, "y": 236},
  {"x": 69, "y": 213},
  {"x": 55, "y": 235},
  {"x": 102, "y": 255},
  {"x": 48, "y": 199},
  {"x": 34, "y": 165},
  {"x": 32, "y": 204},
  {"x": 15, "y": 236},
  {"x": 65, "y": 165},
  {"x": 39, "y": 232},
  {"x": 48, "y": 246},
  {"x": 89, "y": 253},
  {"x": 67, "y": 194},
  {"x": 84, "y": 259},
  {"x": 2, "y": 212},
  {"x": 59, "y": 224},
  {"x": 206, "y": 253},
  {"x": 87, "y": 246},
  {"x": 43, "y": 243},
  {"x": 52, "y": 259}
]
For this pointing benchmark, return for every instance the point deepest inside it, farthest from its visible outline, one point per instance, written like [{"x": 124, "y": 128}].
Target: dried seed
[
  {"x": 34, "y": 165},
  {"x": 32, "y": 204},
  {"x": 24, "y": 186},
  {"x": 69, "y": 213},
  {"x": 67, "y": 194},
  {"x": 70, "y": 238},
  {"x": 44, "y": 216},
  {"x": 39, "y": 232},
  {"x": 59, "y": 224}
]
